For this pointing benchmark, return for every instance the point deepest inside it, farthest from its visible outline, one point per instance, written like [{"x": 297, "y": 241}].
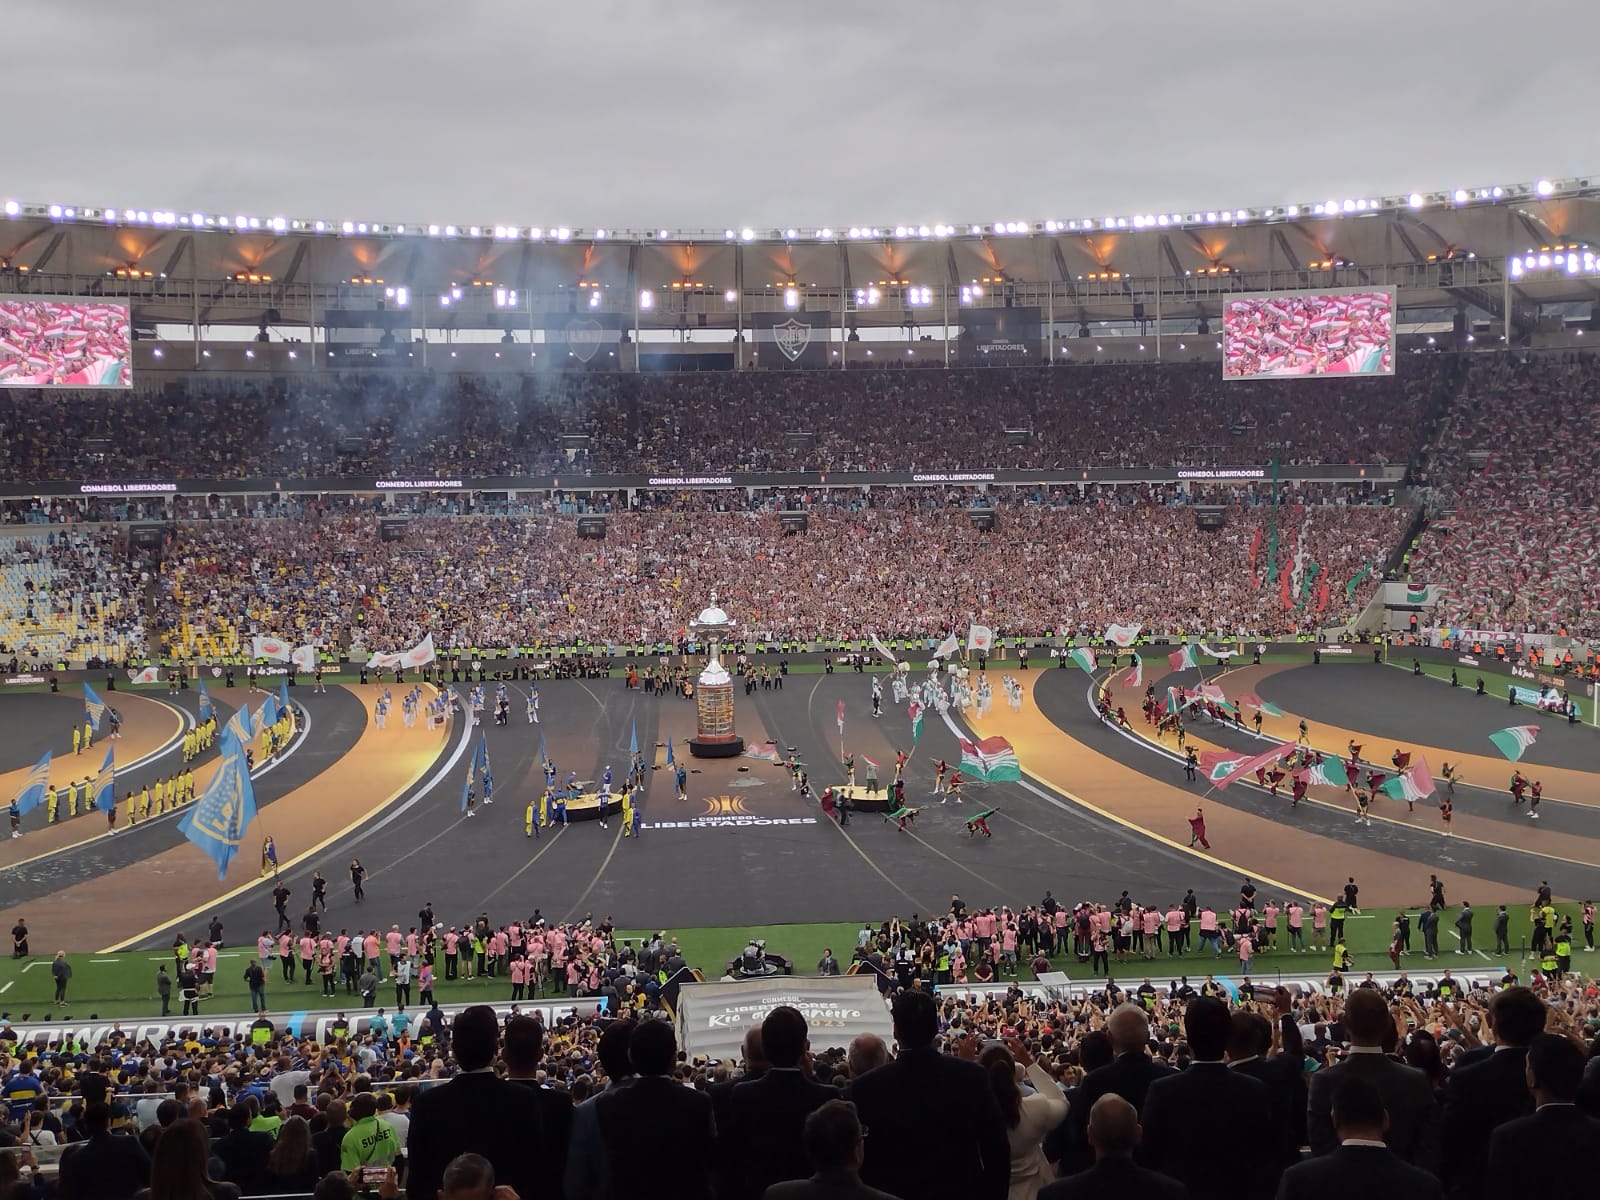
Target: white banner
[
  {"x": 980, "y": 639},
  {"x": 304, "y": 658},
  {"x": 272, "y": 648},
  {"x": 713, "y": 1017}
]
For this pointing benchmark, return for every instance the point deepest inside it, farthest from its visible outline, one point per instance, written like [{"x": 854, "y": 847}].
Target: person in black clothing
[
  {"x": 1436, "y": 893},
  {"x": 1549, "y": 1140},
  {"x": 1483, "y": 1095},
  {"x": 1113, "y": 1133},
  {"x": 357, "y": 874},
  {"x": 19, "y": 939},
  {"x": 319, "y": 891},
  {"x": 1247, "y": 895},
  {"x": 1249, "y": 1053},
  {"x": 766, "y": 1131},
  {"x": 1190, "y": 1118},
  {"x": 522, "y": 1051},
  {"x": 653, "y": 1122},
  {"x": 106, "y": 1166},
  {"x": 243, "y": 1152},
  {"x": 1363, "y": 1165},
  {"x": 936, "y": 1125},
  {"x": 280, "y": 901}
]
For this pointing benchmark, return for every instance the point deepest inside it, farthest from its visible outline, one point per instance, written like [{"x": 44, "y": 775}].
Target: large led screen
[
  {"x": 65, "y": 343},
  {"x": 1348, "y": 332}
]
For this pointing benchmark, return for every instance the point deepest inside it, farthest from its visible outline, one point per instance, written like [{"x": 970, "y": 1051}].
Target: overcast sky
[{"x": 706, "y": 113}]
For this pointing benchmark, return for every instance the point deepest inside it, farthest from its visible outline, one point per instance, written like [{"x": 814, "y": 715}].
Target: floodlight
[
  {"x": 825, "y": 234},
  {"x": 12, "y": 208},
  {"x": 449, "y": 231},
  {"x": 729, "y": 234},
  {"x": 1545, "y": 187},
  {"x": 1415, "y": 200},
  {"x": 730, "y": 296},
  {"x": 791, "y": 298},
  {"x": 662, "y": 234},
  {"x": 55, "y": 212},
  {"x": 647, "y": 299},
  {"x": 563, "y": 234},
  {"x": 1497, "y": 192},
  {"x": 455, "y": 293},
  {"x": 900, "y": 231},
  {"x": 594, "y": 298},
  {"x": 747, "y": 234},
  {"x": 922, "y": 231},
  {"x": 976, "y": 229},
  {"x": 1461, "y": 196},
  {"x": 599, "y": 235}
]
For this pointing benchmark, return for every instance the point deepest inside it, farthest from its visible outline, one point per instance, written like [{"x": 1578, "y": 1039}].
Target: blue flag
[
  {"x": 670, "y": 759},
  {"x": 33, "y": 787},
  {"x": 219, "y": 818},
  {"x": 239, "y": 727},
  {"x": 633, "y": 738},
  {"x": 93, "y": 707},
  {"x": 543, "y": 757},
  {"x": 105, "y": 785},
  {"x": 206, "y": 709},
  {"x": 488, "y": 775},
  {"x": 267, "y": 716},
  {"x": 283, "y": 695},
  {"x": 480, "y": 762}
]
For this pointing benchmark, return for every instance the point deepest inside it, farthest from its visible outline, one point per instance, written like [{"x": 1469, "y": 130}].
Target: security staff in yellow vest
[
  {"x": 1564, "y": 951},
  {"x": 261, "y": 1031}
]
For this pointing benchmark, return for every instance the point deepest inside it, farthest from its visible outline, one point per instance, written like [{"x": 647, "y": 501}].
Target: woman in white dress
[{"x": 1028, "y": 1116}]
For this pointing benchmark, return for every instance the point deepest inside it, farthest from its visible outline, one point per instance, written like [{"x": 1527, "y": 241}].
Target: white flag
[
  {"x": 421, "y": 654},
  {"x": 384, "y": 662},
  {"x": 148, "y": 675},
  {"x": 304, "y": 658},
  {"x": 947, "y": 647},
  {"x": 269, "y": 647},
  {"x": 980, "y": 638},
  {"x": 1122, "y": 635},
  {"x": 882, "y": 649}
]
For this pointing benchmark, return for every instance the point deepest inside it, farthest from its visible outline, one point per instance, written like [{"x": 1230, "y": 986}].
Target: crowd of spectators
[
  {"x": 1513, "y": 470},
  {"x": 428, "y": 425},
  {"x": 892, "y": 563},
  {"x": 1239, "y": 1090},
  {"x": 69, "y": 594}
]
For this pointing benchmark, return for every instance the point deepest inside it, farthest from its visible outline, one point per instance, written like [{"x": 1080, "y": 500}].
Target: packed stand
[
  {"x": 898, "y": 564},
  {"x": 425, "y": 426},
  {"x": 1519, "y": 548},
  {"x": 1164, "y": 1088}
]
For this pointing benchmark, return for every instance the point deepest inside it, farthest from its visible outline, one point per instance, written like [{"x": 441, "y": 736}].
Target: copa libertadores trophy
[{"x": 715, "y": 737}]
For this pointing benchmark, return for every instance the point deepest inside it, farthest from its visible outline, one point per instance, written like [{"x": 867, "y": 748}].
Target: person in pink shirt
[
  {"x": 286, "y": 954},
  {"x": 393, "y": 943},
  {"x": 372, "y": 948},
  {"x": 958, "y": 967},
  {"x": 308, "y": 955},
  {"x": 594, "y": 978},
  {"x": 1208, "y": 931},
  {"x": 425, "y": 984},
  {"x": 1295, "y": 915},
  {"x": 574, "y": 977},
  {"x": 452, "y": 953},
  {"x": 1246, "y": 948},
  {"x": 411, "y": 944},
  {"x": 1150, "y": 922},
  {"x": 1269, "y": 921},
  {"x": 1319, "y": 924},
  {"x": 519, "y": 978},
  {"x": 1008, "y": 947},
  {"x": 1177, "y": 930},
  {"x": 264, "y": 949},
  {"x": 208, "y": 968}
]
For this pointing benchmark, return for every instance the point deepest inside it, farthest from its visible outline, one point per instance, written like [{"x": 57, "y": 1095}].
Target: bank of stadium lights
[
  {"x": 969, "y": 294},
  {"x": 647, "y": 299},
  {"x": 919, "y": 296},
  {"x": 868, "y": 297},
  {"x": 399, "y": 296},
  {"x": 1571, "y": 259},
  {"x": 791, "y": 298}
]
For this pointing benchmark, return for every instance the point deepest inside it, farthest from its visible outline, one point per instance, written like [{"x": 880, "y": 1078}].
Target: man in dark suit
[
  {"x": 765, "y": 1135},
  {"x": 108, "y": 1166},
  {"x": 1192, "y": 1119},
  {"x": 1250, "y": 1053},
  {"x": 1113, "y": 1129},
  {"x": 477, "y": 1113},
  {"x": 1411, "y": 1129},
  {"x": 586, "y": 1155},
  {"x": 653, "y": 1123},
  {"x": 1128, "y": 1075},
  {"x": 1481, "y": 1097},
  {"x": 522, "y": 1052},
  {"x": 833, "y": 1144},
  {"x": 936, "y": 1129},
  {"x": 1551, "y": 1146},
  {"x": 243, "y": 1151},
  {"x": 1363, "y": 1165},
  {"x": 728, "y": 1157}
]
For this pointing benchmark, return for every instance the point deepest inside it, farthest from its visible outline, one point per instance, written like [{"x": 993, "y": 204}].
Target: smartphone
[{"x": 374, "y": 1174}]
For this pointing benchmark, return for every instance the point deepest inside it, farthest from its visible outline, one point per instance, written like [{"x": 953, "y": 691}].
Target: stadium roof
[{"x": 1529, "y": 243}]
